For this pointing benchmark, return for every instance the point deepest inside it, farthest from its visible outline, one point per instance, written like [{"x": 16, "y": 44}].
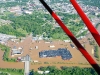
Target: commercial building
[
  {"x": 16, "y": 51},
  {"x": 63, "y": 52}
]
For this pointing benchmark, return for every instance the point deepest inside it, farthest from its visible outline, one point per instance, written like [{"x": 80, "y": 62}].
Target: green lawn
[{"x": 11, "y": 73}]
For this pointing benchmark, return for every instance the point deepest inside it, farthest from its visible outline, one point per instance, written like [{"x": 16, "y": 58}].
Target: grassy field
[{"x": 11, "y": 73}]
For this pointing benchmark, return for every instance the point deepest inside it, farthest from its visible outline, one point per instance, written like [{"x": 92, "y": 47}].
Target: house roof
[{"x": 16, "y": 52}]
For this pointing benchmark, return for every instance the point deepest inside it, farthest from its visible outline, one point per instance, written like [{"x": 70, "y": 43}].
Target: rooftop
[{"x": 64, "y": 53}]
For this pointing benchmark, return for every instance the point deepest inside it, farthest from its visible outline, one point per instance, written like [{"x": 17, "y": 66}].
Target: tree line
[
  {"x": 55, "y": 71},
  {"x": 6, "y": 53},
  {"x": 67, "y": 71}
]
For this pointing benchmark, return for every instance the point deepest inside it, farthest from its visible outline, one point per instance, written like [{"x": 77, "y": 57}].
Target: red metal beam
[
  {"x": 87, "y": 22},
  {"x": 72, "y": 37}
]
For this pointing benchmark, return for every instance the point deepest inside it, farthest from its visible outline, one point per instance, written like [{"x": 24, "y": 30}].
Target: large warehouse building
[{"x": 63, "y": 52}]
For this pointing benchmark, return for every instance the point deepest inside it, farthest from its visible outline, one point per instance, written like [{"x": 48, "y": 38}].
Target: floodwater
[{"x": 34, "y": 54}]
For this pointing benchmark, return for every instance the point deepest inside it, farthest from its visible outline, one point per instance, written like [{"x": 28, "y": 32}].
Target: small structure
[
  {"x": 27, "y": 12},
  {"x": 31, "y": 48},
  {"x": 67, "y": 41},
  {"x": 51, "y": 46},
  {"x": 36, "y": 47},
  {"x": 20, "y": 48},
  {"x": 19, "y": 59},
  {"x": 14, "y": 40},
  {"x": 35, "y": 61},
  {"x": 15, "y": 9},
  {"x": 40, "y": 72},
  {"x": 43, "y": 72},
  {"x": 46, "y": 72},
  {"x": 16, "y": 51},
  {"x": 92, "y": 51},
  {"x": 23, "y": 59},
  {"x": 72, "y": 45},
  {"x": 37, "y": 38}
]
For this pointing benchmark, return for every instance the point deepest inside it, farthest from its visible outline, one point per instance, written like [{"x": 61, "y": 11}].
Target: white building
[
  {"x": 51, "y": 46},
  {"x": 28, "y": 12},
  {"x": 67, "y": 41},
  {"x": 35, "y": 61},
  {"x": 46, "y": 72},
  {"x": 40, "y": 72},
  {"x": 15, "y": 9}
]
